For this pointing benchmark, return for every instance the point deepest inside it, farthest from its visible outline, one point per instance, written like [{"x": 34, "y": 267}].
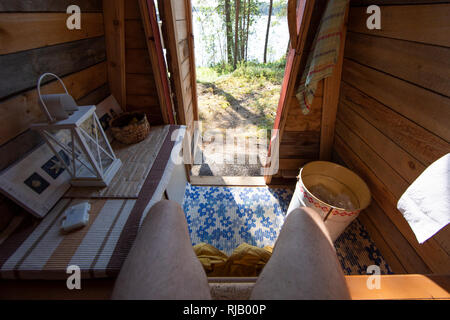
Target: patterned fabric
[
  {"x": 226, "y": 217},
  {"x": 356, "y": 251},
  {"x": 323, "y": 57}
]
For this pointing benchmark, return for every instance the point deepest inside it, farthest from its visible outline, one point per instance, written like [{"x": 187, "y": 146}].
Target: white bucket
[{"x": 337, "y": 180}]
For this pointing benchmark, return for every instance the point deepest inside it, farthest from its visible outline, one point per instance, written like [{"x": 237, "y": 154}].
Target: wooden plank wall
[
  {"x": 33, "y": 40},
  {"x": 141, "y": 93},
  {"x": 393, "y": 119},
  {"x": 300, "y": 142}
]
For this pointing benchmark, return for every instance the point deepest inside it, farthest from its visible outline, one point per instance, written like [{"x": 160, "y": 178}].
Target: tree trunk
[
  {"x": 229, "y": 31},
  {"x": 248, "y": 29},
  {"x": 236, "y": 32},
  {"x": 242, "y": 30},
  {"x": 267, "y": 33}
]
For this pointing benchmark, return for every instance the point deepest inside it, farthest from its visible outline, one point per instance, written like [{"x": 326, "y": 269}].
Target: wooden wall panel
[
  {"x": 418, "y": 23},
  {"x": 423, "y": 144},
  {"x": 392, "y": 120},
  {"x": 140, "y": 84},
  {"x": 424, "y": 107},
  {"x": 21, "y": 70},
  {"x": 404, "y": 163},
  {"x": 49, "y": 5},
  {"x": 114, "y": 12},
  {"x": 367, "y": 3},
  {"x": 297, "y": 121},
  {"x": 141, "y": 92},
  {"x": 24, "y": 31},
  {"x": 304, "y": 143},
  {"x": 137, "y": 61},
  {"x": 135, "y": 38},
  {"x": 427, "y": 66}
]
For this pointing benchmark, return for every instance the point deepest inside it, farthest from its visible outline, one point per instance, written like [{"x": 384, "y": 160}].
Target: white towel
[{"x": 426, "y": 203}]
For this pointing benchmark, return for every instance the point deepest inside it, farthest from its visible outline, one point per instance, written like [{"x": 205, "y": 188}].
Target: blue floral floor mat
[{"x": 225, "y": 217}]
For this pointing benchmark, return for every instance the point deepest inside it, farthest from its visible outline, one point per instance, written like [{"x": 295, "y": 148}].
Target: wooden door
[
  {"x": 299, "y": 18},
  {"x": 179, "y": 42},
  {"x": 156, "y": 53}
]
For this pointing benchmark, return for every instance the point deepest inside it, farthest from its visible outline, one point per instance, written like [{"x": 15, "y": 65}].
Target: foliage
[
  {"x": 271, "y": 71},
  {"x": 219, "y": 47}
]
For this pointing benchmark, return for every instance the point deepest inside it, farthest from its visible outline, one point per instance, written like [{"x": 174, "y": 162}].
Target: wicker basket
[{"x": 130, "y": 127}]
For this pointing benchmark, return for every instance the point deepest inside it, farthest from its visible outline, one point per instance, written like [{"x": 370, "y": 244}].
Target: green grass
[
  {"x": 206, "y": 75},
  {"x": 254, "y": 86}
]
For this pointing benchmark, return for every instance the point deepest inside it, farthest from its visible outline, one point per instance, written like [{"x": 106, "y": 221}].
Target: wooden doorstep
[{"x": 228, "y": 181}]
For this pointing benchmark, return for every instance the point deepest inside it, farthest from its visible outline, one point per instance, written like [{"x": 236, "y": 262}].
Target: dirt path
[{"x": 246, "y": 105}]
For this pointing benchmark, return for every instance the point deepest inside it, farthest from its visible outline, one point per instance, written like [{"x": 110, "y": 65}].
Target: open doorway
[{"x": 240, "y": 57}]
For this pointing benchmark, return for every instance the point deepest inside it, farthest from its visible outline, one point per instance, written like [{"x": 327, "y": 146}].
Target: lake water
[{"x": 209, "y": 31}]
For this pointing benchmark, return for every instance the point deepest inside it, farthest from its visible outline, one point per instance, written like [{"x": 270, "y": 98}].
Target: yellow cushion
[{"x": 245, "y": 261}]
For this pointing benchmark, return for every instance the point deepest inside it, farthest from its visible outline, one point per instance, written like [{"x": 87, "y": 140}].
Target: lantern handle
[{"x": 44, "y": 107}]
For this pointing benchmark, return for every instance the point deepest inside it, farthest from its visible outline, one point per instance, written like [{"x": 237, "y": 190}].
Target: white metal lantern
[{"x": 77, "y": 139}]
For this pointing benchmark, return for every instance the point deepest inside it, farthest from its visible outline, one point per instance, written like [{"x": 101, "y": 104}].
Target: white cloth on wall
[{"x": 426, "y": 203}]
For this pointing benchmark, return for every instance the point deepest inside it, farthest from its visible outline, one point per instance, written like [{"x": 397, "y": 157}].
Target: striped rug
[{"x": 31, "y": 249}]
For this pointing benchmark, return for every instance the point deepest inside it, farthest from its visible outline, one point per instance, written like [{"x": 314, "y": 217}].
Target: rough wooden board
[
  {"x": 132, "y": 9},
  {"x": 426, "y": 108},
  {"x": 14, "y": 149},
  {"x": 140, "y": 84},
  {"x": 376, "y": 162},
  {"x": 402, "y": 162},
  {"x": 422, "y": 144},
  {"x": 300, "y": 145},
  {"x": 410, "y": 61},
  {"x": 95, "y": 96},
  {"x": 420, "y": 23},
  {"x": 113, "y": 13},
  {"x": 137, "y": 160},
  {"x": 297, "y": 121},
  {"x": 49, "y": 5},
  {"x": 24, "y": 31},
  {"x": 137, "y": 61},
  {"x": 134, "y": 35},
  {"x": 23, "y": 69}
]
